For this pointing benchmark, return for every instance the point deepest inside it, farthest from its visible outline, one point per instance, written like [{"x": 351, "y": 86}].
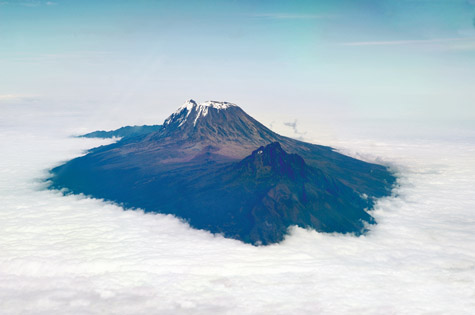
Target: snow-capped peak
[
  {"x": 188, "y": 105},
  {"x": 217, "y": 105},
  {"x": 182, "y": 113}
]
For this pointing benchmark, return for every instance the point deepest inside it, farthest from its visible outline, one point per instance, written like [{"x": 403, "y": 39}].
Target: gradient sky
[{"x": 137, "y": 61}]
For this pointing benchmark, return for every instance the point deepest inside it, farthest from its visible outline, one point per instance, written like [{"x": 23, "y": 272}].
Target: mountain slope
[
  {"x": 221, "y": 170},
  {"x": 127, "y": 131}
]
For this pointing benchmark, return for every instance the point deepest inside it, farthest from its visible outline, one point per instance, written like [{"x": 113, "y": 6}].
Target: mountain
[
  {"x": 127, "y": 131},
  {"x": 219, "y": 169}
]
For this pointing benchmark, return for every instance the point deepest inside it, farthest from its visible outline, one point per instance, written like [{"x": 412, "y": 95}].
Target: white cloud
[
  {"x": 77, "y": 255},
  {"x": 8, "y": 96},
  {"x": 30, "y": 3},
  {"x": 17, "y": 98},
  {"x": 297, "y": 16},
  {"x": 410, "y": 42}
]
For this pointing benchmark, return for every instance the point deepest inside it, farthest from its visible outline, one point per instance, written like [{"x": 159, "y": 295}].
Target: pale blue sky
[{"x": 138, "y": 60}]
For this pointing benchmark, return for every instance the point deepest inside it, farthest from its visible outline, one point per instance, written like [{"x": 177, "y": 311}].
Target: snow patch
[
  {"x": 202, "y": 109},
  {"x": 188, "y": 105},
  {"x": 218, "y": 105}
]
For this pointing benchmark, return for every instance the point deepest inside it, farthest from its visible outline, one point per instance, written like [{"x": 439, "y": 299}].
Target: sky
[{"x": 133, "y": 62}]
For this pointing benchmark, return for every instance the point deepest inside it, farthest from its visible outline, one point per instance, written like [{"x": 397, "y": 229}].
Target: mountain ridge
[
  {"x": 122, "y": 132},
  {"x": 223, "y": 171}
]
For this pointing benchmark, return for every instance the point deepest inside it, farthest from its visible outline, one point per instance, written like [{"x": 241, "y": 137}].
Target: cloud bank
[{"x": 77, "y": 255}]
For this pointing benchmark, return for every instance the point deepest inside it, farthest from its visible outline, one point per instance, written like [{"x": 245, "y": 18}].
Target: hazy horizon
[{"x": 357, "y": 60}]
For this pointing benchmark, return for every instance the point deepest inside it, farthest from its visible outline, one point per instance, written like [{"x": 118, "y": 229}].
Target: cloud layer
[{"x": 83, "y": 256}]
